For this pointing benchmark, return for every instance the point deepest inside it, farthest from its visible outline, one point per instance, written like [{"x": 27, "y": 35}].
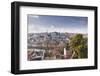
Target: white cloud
[
  {"x": 36, "y": 29},
  {"x": 34, "y": 16},
  {"x": 52, "y": 26},
  {"x": 40, "y": 28}
]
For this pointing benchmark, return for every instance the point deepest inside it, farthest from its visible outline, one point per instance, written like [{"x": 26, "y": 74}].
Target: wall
[{"x": 5, "y": 40}]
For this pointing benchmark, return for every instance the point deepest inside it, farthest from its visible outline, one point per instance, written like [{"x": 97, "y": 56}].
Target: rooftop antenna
[{"x": 47, "y": 31}]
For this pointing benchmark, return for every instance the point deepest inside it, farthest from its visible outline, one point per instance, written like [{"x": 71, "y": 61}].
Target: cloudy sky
[{"x": 44, "y": 23}]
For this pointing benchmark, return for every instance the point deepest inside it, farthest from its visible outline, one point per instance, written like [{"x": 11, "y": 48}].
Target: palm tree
[{"x": 78, "y": 45}]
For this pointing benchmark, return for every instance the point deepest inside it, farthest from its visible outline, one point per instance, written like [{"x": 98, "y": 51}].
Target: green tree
[{"x": 78, "y": 45}]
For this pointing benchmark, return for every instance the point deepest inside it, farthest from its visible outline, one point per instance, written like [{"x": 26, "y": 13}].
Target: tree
[
  {"x": 67, "y": 46},
  {"x": 78, "y": 45}
]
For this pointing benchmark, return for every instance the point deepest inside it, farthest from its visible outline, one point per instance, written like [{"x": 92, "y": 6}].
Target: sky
[{"x": 48, "y": 23}]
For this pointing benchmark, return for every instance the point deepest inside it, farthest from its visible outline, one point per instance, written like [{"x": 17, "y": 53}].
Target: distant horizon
[
  {"x": 44, "y": 23},
  {"x": 58, "y": 32}
]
